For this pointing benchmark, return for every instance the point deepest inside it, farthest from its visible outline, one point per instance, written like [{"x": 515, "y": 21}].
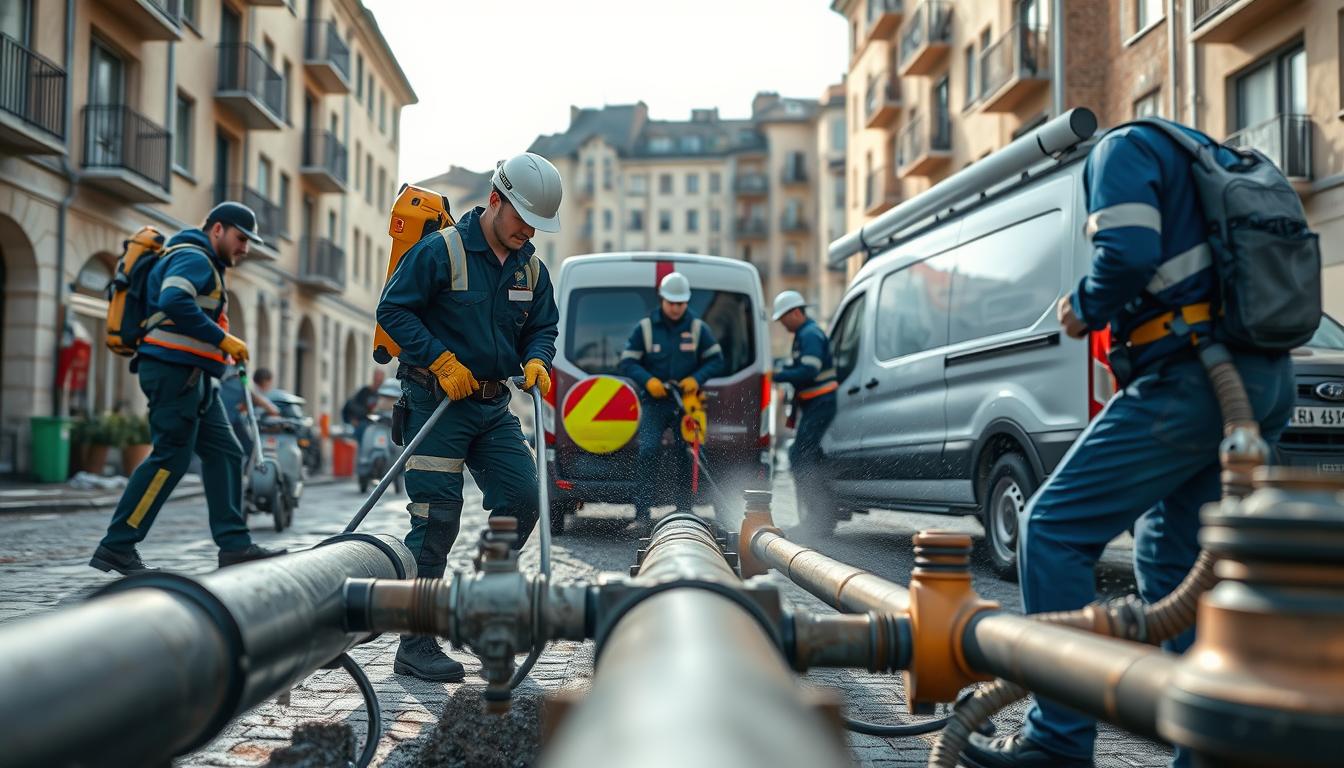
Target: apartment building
[
  {"x": 123, "y": 113},
  {"x": 831, "y": 136},
  {"x": 933, "y": 86}
]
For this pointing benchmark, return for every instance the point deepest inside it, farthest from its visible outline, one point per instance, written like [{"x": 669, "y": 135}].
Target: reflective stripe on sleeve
[
  {"x": 1124, "y": 215},
  {"x": 632, "y": 354},
  {"x": 811, "y": 360},
  {"x": 180, "y": 283},
  {"x": 1187, "y": 264}
]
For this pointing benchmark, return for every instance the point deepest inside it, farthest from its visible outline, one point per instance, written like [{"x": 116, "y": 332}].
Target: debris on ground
[
  {"x": 469, "y": 737},
  {"x": 317, "y": 745}
]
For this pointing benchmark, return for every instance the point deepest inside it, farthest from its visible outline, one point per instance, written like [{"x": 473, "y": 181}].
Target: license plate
[
  {"x": 380, "y": 441},
  {"x": 1318, "y": 418}
]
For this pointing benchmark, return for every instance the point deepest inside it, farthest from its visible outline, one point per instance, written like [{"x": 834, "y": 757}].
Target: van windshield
[
  {"x": 1330, "y": 334},
  {"x": 601, "y": 319}
]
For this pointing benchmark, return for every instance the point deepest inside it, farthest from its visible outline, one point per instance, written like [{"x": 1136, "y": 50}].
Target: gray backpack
[{"x": 1267, "y": 261}]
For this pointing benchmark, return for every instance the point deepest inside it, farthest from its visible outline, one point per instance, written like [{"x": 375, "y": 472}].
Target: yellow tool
[{"x": 417, "y": 213}]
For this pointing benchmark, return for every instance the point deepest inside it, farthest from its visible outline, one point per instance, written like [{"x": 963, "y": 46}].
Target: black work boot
[
  {"x": 125, "y": 563},
  {"x": 420, "y": 656},
  {"x": 229, "y": 557},
  {"x": 1014, "y": 751}
]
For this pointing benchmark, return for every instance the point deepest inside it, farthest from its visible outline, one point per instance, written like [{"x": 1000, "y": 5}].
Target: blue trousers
[
  {"x": 483, "y": 437},
  {"x": 1150, "y": 460},
  {"x": 657, "y": 416},
  {"x": 806, "y": 461},
  {"x": 185, "y": 416}
]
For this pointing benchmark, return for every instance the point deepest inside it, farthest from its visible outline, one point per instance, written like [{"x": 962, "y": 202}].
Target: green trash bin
[{"x": 51, "y": 448}]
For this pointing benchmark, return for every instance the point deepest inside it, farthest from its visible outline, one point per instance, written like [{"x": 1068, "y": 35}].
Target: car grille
[{"x": 1313, "y": 439}]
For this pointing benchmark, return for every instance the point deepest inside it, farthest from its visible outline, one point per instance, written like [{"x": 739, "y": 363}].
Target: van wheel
[{"x": 1009, "y": 486}]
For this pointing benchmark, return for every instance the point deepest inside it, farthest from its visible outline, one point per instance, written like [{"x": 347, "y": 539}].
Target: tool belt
[
  {"x": 425, "y": 379},
  {"x": 1167, "y": 324}
]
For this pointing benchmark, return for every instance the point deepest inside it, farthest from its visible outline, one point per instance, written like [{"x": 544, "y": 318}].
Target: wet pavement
[{"x": 43, "y": 565}]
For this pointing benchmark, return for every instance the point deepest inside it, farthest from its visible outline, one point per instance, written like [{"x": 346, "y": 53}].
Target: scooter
[
  {"x": 275, "y": 475},
  {"x": 291, "y": 406},
  {"x": 377, "y": 451}
]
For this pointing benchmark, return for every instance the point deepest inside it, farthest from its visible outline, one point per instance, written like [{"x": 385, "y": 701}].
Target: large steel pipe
[
  {"x": 837, "y": 584},
  {"x": 158, "y": 664},
  {"x": 687, "y": 676}
]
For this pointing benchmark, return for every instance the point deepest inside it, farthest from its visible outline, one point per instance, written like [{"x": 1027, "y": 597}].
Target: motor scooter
[
  {"x": 377, "y": 452},
  {"x": 274, "y": 471},
  {"x": 292, "y": 406}
]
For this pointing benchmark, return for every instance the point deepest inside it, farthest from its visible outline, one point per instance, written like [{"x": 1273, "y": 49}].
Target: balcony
[
  {"x": 793, "y": 173},
  {"x": 882, "y": 18},
  {"x": 794, "y": 268},
  {"x": 793, "y": 224},
  {"x": 586, "y": 189},
  {"x": 1225, "y": 21},
  {"x": 125, "y": 154},
  {"x": 324, "y": 162},
  {"x": 250, "y": 87},
  {"x": 270, "y": 217},
  {"x": 751, "y": 227},
  {"x": 925, "y": 38},
  {"x": 326, "y": 57},
  {"x": 880, "y": 193},
  {"x": 1014, "y": 68},
  {"x": 883, "y": 101},
  {"x": 1285, "y": 139},
  {"x": 266, "y": 3},
  {"x": 321, "y": 265},
  {"x": 751, "y": 185},
  {"x": 32, "y": 101},
  {"x": 924, "y": 149},
  {"x": 151, "y": 19}
]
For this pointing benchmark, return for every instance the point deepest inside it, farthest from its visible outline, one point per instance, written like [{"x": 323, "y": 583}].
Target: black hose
[
  {"x": 370, "y": 701},
  {"x": 896, "y": 730}
]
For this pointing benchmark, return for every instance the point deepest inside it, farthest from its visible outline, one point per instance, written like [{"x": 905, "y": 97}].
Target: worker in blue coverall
[
  {"x": 1150, "y": 458},
  {"x": 186, "y": 348},
  {"x": 669, "y": 348},
  {"x": 470, "y": 307},
  {"x": 812, "y": 375}
]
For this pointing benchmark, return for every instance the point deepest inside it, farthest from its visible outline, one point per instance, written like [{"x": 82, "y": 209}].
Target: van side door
[{"x": 841, "y": 443}]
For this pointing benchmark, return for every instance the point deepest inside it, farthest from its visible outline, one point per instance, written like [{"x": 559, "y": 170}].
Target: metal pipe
[
  {"x": 1055, "y": 136},
  {"x": 837, "y": 584},
  {"x": 63, "y": 212},
  {"x": 157, "y": 664},
  {"x": 1056, "y": 58}
]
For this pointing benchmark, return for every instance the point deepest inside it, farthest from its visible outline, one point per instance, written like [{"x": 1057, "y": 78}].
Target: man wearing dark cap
[{"x": 186, "y": 347}]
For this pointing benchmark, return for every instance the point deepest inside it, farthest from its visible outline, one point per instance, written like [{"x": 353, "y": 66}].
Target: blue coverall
[
  {"x": 494, "y": 317},
  {"x": 812, "y": 374},
  {"x": 669, "y": 351},
  {"x": 1150, "y": 459},
  {"x": 177, "y": 363}
]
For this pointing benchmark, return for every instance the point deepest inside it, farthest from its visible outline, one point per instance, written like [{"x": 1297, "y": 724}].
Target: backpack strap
[
  {"x": 1200, "y": 153},
  {"x": 216, "y": 299},
  {"x": 533, "y": 269},
  {"x": 457, "y": 258},
  {"x": 646, "y": 328}
]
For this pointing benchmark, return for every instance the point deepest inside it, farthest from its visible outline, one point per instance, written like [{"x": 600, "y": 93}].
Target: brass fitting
[
  {"x": 756, "y": 517},
  {"x": 942, "y": 601}
]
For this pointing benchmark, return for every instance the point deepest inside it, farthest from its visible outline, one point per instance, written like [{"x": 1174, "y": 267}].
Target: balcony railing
[
  {"x": 921, "y": 145},
  {"x": 751, "y": 226},
  {"x": 880, "y": 191},
  {"x": 1285, "y": 139},
  {"x": 270, "y": 216},
  {"x": 926, "y": 35},
  {"x": 881, "y": 17},
  {"x": 1226, "y": 21},
  {"x": 326, "y": 55},
  {"x": 792, "y": 223},
  {"x": 883, "y": 100},
  {"x": 245, "y": 74},
  {"x": 32, "y": 89},
  {"x": 1020, "y": 57},
  {"x": 118, "y": 138},
  {"x": 793, "y": 173},
  {"x": 325, "y": 161},
  {"x": 794, "y": 268},
  {"x": 751, "y": 184},
  {"x": 321, "y": 264}
]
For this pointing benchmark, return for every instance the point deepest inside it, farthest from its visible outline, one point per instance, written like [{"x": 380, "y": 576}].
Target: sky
[{"x": 492, "y": 75}]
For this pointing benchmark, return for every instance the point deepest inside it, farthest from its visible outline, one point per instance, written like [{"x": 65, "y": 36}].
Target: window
[
  {"x": 715, "y": 220},
  {"x": 268, "y": 50},
  {"x": 839, "y": 201},
  {"x": 606, "y": 219},
  {"x": 264, "y": 176},
  {"x": 790, "y": 253},
  {"x": 692, "y": 183},
  {"x": 354, "y": 262},
  {"x": 639, "y": 184},
  {"x": 382, "y": 111},
  {"x": 1146, "y": 13},
  {"x": 368, "y": 178},
  {"x": 1271, "y": 102},
  {"x": 942, "y": 117},
  {"x": 382, "y": 188},
  {"x": 359, "y": 150},
  {"x": 838, "y": 133},
  {"x": 715, "y": 182},
  {"x": 1149, "y": 105},
  {"x": 664, "y": 183},
  {"x": 845, "y": 339},
  {"x": 660, "y": 144},
  {"x": 912, "y": 310},
  {"x": 182, "y": 139},
  {"x": 968, "y": 59},
  {"x": 289, "y": 82},
  {"x": 368, "y": 258},
  {"x": 359, "y": 78},
  {"x": 599, "y": 322},
  {"x": 189, "y": 12},
  {"x": 1329, "y": 335},
  {"x": 992, "y": 295},
  {"x": 396, "y": 125},
  {"x": 284, "y": 204},
  {"x": 369, "y": 103},
  {"x": 664, "y": 221},
  {"x": 636, "y": 221},
  {"x": 692, "y": 221}
]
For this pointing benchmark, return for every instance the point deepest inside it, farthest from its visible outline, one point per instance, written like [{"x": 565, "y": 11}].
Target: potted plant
[
  {"x": 135, "y": 445},
  {"x": 96, "y": 435}
]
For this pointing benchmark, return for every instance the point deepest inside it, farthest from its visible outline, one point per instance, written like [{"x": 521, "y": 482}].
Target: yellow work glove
[
  {"x": 656, "y": 388},
  {"x": 234, "y": 347},
  {"x": 456, "y": 381},
  {"x": 689, "y": 386},
  {"x": 535, "y": 373}
]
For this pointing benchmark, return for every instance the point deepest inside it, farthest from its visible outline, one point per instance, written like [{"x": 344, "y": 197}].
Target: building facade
[
  {"x": 133, "y": 112},
  {"x": 933, "y": 86}
]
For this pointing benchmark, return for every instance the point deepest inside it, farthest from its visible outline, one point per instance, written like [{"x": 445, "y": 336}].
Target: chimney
[
  {"x": 763, "y": 101},
  {"x": 705, "y": 115}
]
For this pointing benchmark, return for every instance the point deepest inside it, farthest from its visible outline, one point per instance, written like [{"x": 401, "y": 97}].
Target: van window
[
  {"x": 600, "y": 321},
  {"x": 845, "y": 340},
  {"x": 912, "y": 308},
  {"x": 1007, "y": 280},
  {"x": 1329, "y": 335}
]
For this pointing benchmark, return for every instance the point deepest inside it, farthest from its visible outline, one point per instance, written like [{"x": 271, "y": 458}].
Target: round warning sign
[{"x": 601, "y": 414}]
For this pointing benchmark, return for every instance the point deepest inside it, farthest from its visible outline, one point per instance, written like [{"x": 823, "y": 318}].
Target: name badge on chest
[{"x": 520, "y": 294}]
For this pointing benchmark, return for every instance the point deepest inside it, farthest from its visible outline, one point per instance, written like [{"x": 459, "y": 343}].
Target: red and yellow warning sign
[{"x": 601, "y": 414}]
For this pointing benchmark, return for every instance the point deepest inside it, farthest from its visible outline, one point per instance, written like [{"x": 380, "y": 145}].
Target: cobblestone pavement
[{"x": 43, "y": 565}]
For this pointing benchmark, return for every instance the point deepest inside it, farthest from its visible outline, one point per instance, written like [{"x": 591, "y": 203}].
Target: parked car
[
  {"x": 601, "y": 298},
  {"x": 1315, "y": 438}
]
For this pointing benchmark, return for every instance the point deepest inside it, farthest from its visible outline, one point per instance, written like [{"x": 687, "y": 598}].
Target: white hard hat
[
  {"x": 533, "y": 186},
  {"x": 675, "y": 288},
  {"x": 785, "y": 301}
]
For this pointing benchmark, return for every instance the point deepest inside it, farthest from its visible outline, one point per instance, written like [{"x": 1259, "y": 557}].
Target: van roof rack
[{"x": 1049, "y": 140}]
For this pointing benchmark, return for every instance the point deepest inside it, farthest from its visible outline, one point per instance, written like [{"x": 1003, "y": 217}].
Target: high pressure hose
[
  {"x": 544, "y": 523},
  {"x": 1129, "y": 618}
]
